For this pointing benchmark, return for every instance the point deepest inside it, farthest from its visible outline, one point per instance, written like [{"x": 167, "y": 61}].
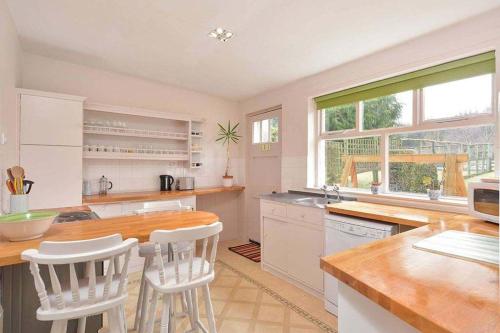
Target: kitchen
[{"x": 111, "y": 129}]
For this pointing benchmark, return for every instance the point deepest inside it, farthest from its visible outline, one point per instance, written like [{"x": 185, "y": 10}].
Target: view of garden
[{"x": 450, "y": 157}]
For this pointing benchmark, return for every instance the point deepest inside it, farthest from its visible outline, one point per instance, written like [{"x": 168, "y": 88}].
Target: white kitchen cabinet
[
  {"x": 57, "y": 173},
  {"x": 305, "y": 254},
  {"x": 51, "y": 121},
  {"x": 275, "y": 238},
  {"x": 292, "y": 243}
]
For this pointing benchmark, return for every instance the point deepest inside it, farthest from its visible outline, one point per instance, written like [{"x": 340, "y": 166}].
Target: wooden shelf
[
  {"x": 136, "y": 156},
  {"x": 135, "y": 133}
]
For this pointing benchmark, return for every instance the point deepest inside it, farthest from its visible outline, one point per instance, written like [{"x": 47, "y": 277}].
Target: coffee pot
[{"x": 104, "y": 185}]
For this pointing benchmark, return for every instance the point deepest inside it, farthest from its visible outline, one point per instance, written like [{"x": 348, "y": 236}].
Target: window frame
[
  {"x": 419, "y": 124},
  {"x": 260, "y": 131}
]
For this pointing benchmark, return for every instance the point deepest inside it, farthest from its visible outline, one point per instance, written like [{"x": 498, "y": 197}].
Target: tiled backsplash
[{"x": 130, "y": 176}]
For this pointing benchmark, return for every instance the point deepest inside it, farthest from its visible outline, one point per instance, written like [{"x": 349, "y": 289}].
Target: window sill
[{"x": 456, "y": 205}]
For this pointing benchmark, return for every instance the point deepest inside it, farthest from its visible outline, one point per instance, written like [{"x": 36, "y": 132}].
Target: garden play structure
[{"x": 457, "y": 161}]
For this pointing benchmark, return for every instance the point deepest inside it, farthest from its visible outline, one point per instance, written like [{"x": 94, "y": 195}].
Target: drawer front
[
  {"x": 306, "y": 214},
  {"x": 268, "y": 208}
]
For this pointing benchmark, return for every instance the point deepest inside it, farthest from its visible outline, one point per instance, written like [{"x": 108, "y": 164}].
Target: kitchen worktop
[
  {"x": 154, "y": 195},
  {"x": 432, "y": 292},
  {"x": 136, "y": 226}
]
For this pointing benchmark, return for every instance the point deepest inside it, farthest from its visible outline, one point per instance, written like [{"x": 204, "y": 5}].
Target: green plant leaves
[{"x": 228, "y": 134}]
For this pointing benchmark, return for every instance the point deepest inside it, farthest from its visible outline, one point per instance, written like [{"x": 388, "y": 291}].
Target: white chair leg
[
  {"x": 82, "y": 323},
  {"x": 59, "y": 326},
  {"x": 165, "y": 314},
  {"x": 123, "y": 319},
  {"x": 144, "y": 309},
  {"x": 173, "y": 323},
  {"x": 152, "y": 312},
  {"x": 114, "y": 320},
  {"x": 209, "y": 309},
  {"x": 138, "y": 310},
  {"x": 190, "y": 313},
  {"x": 194, "y": 304}
]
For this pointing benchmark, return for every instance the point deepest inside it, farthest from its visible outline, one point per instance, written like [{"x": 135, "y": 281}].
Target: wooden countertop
[
  {"x": 154, "y": 195},
  {"x": 413, "y": 217},
  {"x": 136, "y": 226},
  {"x": 432, "y": 292}
]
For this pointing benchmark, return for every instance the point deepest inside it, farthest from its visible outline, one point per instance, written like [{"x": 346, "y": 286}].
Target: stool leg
[
  {"x": 165, "y": 315},
  {"x": 82, "y": 323},
  {"x": 189, "y": 302},
  {"x": 144, "y": 308},
  {"x": 114, "y": 320},
  {"x": 209, "y": 309},
  {"x": 138, "y": 311},
  {"x": 194, "y": 304},
  {"x": 59, "y": 326},
  {"x": 123, "y": 319},
  {"x": 152, "y": 312}
]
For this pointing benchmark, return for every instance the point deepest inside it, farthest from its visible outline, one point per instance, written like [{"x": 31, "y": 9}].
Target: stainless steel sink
[{"x": 315, "y": 201}]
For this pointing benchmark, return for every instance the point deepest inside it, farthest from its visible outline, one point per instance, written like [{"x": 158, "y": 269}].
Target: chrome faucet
[{"x": 334, "y": 188}]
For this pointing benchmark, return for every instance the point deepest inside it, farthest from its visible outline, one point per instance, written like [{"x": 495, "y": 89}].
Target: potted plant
[
  {"x": 375, "y": 187},
  {"x": 226, "y": 136},
  {"x": 433, "y": 187}
]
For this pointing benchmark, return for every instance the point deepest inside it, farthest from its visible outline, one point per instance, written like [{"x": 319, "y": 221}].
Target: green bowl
[{"x": 23, "y": 226}]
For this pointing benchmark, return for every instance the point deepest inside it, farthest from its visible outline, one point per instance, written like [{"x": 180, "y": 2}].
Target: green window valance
[{"x": 454, "y": 70}]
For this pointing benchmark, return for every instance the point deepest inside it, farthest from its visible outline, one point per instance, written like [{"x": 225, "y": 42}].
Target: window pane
[
  {"x": 352, "y": 162},
  {"x": 274, "y": 130},
  {"x": 256, "y": 132},
  {"x": 447, "y": 159},
  {"x": 470, "y": 96},
  {"x": 339, "y": 117},
  {"x": 388, "y": 111},
  {"x": 265, "y": 130}
]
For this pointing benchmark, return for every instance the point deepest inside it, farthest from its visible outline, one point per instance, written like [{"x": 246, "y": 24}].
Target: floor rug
[{"x": 250, "y": 251}]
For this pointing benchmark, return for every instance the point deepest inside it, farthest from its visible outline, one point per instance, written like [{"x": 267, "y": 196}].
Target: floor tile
[
  {"x": 234, "y": 326},
  {"x": 274, "y": 313},
  {"x": 240, "y": 310}
]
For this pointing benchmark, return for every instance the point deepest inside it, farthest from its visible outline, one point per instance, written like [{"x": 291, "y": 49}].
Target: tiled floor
[{"x": 249, "y": 300}]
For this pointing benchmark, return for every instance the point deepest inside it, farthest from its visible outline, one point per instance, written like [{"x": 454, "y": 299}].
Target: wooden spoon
[
  {"x": 10, "y": 186},
  {"x": 17, "y": 172},
  {"x": 9, "y": 173}
]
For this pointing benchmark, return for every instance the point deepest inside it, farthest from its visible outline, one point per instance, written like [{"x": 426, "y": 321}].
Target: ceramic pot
[
  {"x": 434, "y": 194},
  {"x": 227, "y": 181},
  {"x": 375, "y": 189},
  {"x": 18, "y": 203}
]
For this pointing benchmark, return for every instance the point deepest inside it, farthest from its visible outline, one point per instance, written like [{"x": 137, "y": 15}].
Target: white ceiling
[{"x": 275, "y": 41}]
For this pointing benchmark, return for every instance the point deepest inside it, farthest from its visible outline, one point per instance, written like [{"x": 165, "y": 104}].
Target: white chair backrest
[
  {"x": 110, "y": 249},
  {"x": 158, "y": 206},
  {"x": 163, "y": 205},
  {"x": 177, "y": 239}
]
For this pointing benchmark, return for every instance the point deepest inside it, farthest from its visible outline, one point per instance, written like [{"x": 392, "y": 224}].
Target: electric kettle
[{"x": 166, "y": 182}]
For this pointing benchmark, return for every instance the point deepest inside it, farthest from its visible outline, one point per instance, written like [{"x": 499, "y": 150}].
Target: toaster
[{"x": 184, "y": 183}]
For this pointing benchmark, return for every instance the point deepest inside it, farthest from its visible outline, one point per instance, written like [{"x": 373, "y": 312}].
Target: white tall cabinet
[{"x": 51, "y": 127}]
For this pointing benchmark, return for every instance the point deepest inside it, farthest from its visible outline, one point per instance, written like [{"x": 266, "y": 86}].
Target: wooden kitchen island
[
  {"x": 20, "y": 300},
  {"x": 432, "y": 293}
]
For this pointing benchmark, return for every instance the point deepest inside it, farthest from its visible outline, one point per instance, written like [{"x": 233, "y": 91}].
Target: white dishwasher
[{"x": 343, "y": 233}]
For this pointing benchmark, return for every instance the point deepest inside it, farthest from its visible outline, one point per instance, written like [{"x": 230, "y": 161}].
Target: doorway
[{"x": 263, "y": 163}]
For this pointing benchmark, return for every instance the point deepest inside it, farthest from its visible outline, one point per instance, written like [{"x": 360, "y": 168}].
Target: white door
[
  {"x": 275, "y": 251},
  {"x": 57, "y": 173},
  {"x": 305, "y": 251},
  {"x": 263, "y": 165},
  {"x": 51, "y": 121}
]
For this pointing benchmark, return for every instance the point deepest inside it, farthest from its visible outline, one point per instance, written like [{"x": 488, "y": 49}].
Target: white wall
[
  {"x": 101, "y": 86},
  {"x": 10, "y": 78},
  {"x": 469, "y": 37}
]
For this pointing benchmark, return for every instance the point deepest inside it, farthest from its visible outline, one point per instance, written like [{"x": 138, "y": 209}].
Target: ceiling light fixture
[{"x": 221, "y": 34}]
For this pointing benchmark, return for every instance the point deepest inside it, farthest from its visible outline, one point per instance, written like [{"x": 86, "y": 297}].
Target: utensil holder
[{"x": 19, "y": 203}]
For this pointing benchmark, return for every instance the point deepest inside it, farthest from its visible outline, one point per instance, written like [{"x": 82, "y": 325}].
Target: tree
[{"x": 381, "y": 112}]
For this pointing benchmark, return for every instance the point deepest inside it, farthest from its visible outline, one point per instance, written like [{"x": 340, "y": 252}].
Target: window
[
  {"x": 460, "y": 98},
  {"x": 445, "y": 159},
  {"x": 338, "y": 118},
  {"x": 394, "y": 110},
  {"x": 266, "y": 131},
  {"x": 430, "y": 129},
  {"x": 352, "y": 162}
]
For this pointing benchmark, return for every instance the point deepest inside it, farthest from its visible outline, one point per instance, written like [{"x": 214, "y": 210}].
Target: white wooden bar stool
[
  {"x": 184, "y": 274},
  {"x": 147, "y": 251},
  {"x": 82, "y": 297}
]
